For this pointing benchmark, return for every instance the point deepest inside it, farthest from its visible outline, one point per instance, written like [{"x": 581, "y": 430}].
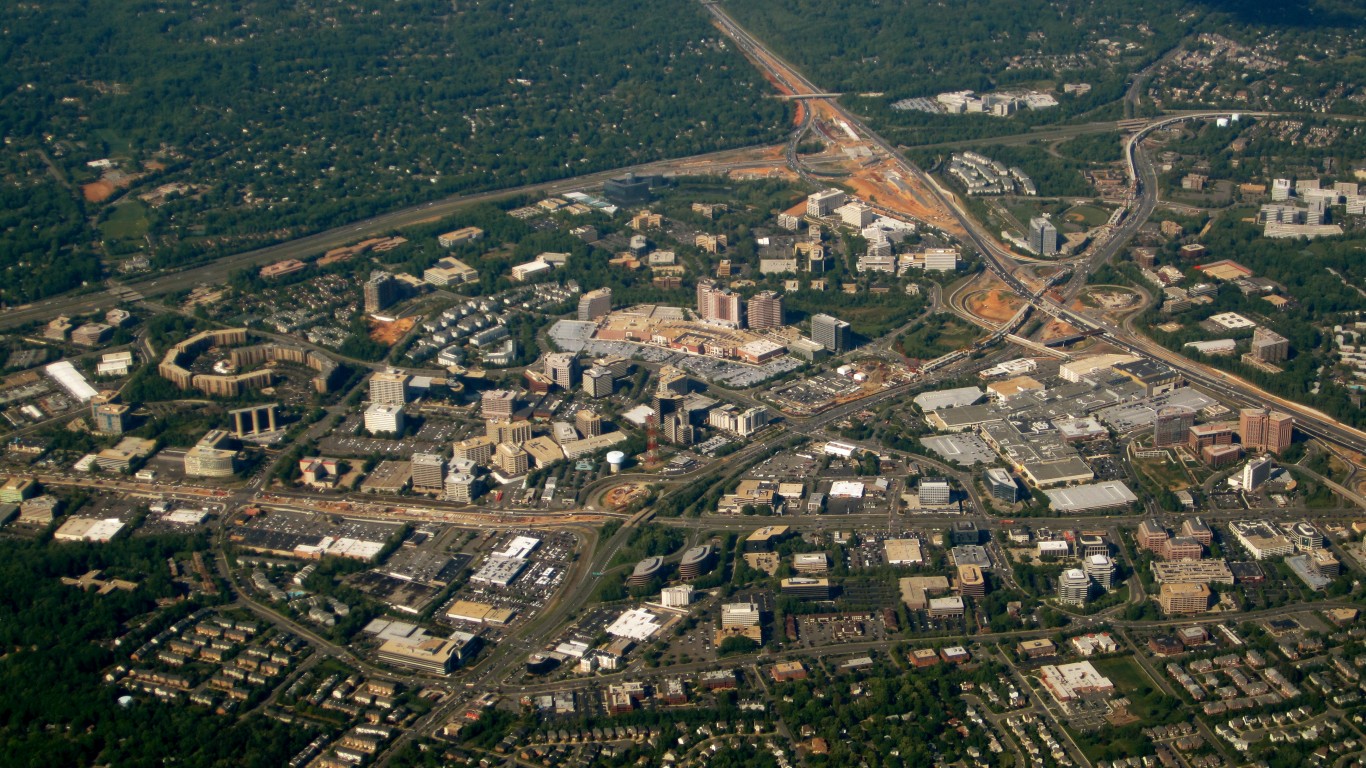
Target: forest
[
  {"x": 289, "y": 118},
  {"x": 54, "y": 707}
]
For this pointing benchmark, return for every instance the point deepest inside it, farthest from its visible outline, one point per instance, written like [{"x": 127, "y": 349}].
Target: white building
[
  {"x": 676, "y": 597},
  {"x": 384, "y": 419}
]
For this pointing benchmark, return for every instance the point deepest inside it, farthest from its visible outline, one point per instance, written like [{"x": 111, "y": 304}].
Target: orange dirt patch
[
  {"x": 388, "y": 333},
  {"x": 621, "y": 496},
  {"x": 901, "y": 192},
  {"x": 1057, "y": 329},
  {"x": 97, "y": 191},
  {"x": 995, "y": 305},
  {"x": 765, "y": 172}
]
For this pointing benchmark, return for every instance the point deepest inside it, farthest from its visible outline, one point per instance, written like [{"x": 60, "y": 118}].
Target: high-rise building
[
  {"x": 588, "y": 423},
  {"x": 971, "y": 582},
  {"x": 766, "y": 310},
  {"x": 1074, "y": 587},
  {"x": 380, "y": 291},
  {"x": 429, "y": 472},
  {"x": 672, "y": 381},
  {"x": 1178, "y": 599},
  {"x": 935, "y": 490},
  {"x": 563, "y": 369},
  {"x": 1101, "y": 569},
  {"x": 1172, "y": 426},
  {"x": 504, "y": 430},
  {"x": 497, "y": 403},
  {"x": 462, "y": 487},
  {"x": 598, "y": 382},
  {"x": 1002, "y": 486},
  {"x": 825, "y": 202},
  {"x": 1269, "y": 346},
  {"x": 719, "y": 305},
  {"x": 384, "y": 419},
  {"x": 831, "y": 332},
  {"x": 1265, "y": 430},
  {"x": 110, "y": 418},
  {"x": 389, "y": 387},
  {"x": 511, "y": 459},
  {"x": 1043, "y": 236},
  {"x": 1256, "y": 472},
  {"x": 595, "y": 304}
]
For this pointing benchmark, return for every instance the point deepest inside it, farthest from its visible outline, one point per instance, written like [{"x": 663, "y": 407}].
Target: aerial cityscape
[{"x": 690, "y": 384}]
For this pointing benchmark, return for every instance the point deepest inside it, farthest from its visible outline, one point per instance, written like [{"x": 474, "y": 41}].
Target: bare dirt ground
[
  {"x": 97, "y": 191},
  {"x": 388, "y": 333},
  {"x": 996, "y": 304}
]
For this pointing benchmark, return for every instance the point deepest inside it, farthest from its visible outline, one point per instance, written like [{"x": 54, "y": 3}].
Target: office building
[
  {"x": 1002, "y": 486},
  {"x": 765, "y": 310},
  {"x": 384, "y": 419},
  {"x": 459, "y": 237},
  {"x": 563, "y": 369},
  {"x": 254, "y": 420},
  {"x": 1198, "y": 529},
  {"x": 1183, "y": 599},
  {"x": 935, "y": 491},
  {"x": 1100, "y": 569},
  {"x": 498, "y": 403},
  {"x": 1256, "y": 472},
  {"x": 1269, "y": 346},
  {"x": 696, "y": 561},
  {"x": 511, "y": 460},
  {"x": 1262, "y": 429},
  {"x": 1217, "y": 433},
  {"x": 1305, "y": 537},
  {"x": 1151, "y": 536},
  {"x": 1182, "y": 548},
  {"x": 672, "y": 380},
  {"x": 825, "y": 202},
  {"x": 1172, "y": 426},
  {"x": 589, "y": 423},
  {"x": 1043, "y": 236},
  {"x": 595, "y": 304},
  {"x": 110, "y": 418},
  {"x": 476, "y": 449},
  {"x": 832, "y": 333},
  {"x": 1074, "y": 587},
  {"x": 462, "y": 487},
  {"x": 676, "y": 597},
  {"x": 598, "y": 382},
  {"x": 429, "y": 472},
  {"x": 730, "y": 418},
  {"x": 806, "y": 588},
  {"x": 508, "y": 431},
  {"x": 212, "y": 456},
  {"x": 450, "y": 271},
  {"x": 17, "y": 490},
  {"x": 380, "y": 291},
  {"x": 389, "y": 387},
  {"x": 971, "y": 582}
]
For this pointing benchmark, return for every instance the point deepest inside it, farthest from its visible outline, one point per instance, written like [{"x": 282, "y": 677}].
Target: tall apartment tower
[
  {"x": 1269, "y": 346},
  {"x": 1172, "y": 426},
  {"x": 1043, "y": 236},
  {"x": 563, "y": 369},
  {"x": 380, "y": 291},
  {"x": 719, "y": 305},
  {"x": 1265, "y": 430},
  {"x": 389, "y": 387},
  {"x": 595, "y": 304},
  {"x": 831, "y": 332},
  {"x": 766, "y": 310}
]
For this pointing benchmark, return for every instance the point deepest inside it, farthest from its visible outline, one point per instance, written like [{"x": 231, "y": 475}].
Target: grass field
[
  {"x": 938, "y": 335},
  {"x": 126, "y": 222},
  {"x": 1087, "y": 215},
  {"x": 1166, "y": 474}
]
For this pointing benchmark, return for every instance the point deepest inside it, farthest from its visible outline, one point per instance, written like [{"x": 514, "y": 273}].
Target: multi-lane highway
[{"x": 217, "y": 271}]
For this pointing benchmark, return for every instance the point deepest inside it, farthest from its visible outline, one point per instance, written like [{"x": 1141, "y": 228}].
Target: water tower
[{"x": 615, "y": 459}]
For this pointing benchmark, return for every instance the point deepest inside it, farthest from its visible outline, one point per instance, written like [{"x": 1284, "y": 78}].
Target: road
[{"x": 218, "y": 271}]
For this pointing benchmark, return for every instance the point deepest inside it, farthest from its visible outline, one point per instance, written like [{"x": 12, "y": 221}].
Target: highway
[{"x": 217, "y": 272}]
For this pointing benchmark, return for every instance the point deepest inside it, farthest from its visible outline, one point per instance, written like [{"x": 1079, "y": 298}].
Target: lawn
[
  {"x": 938, "y": 335},
  {"x": 1088, "y": 215},
  {"x": 1165, "y": 474},
  {"x": 125, "y": 222}
]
